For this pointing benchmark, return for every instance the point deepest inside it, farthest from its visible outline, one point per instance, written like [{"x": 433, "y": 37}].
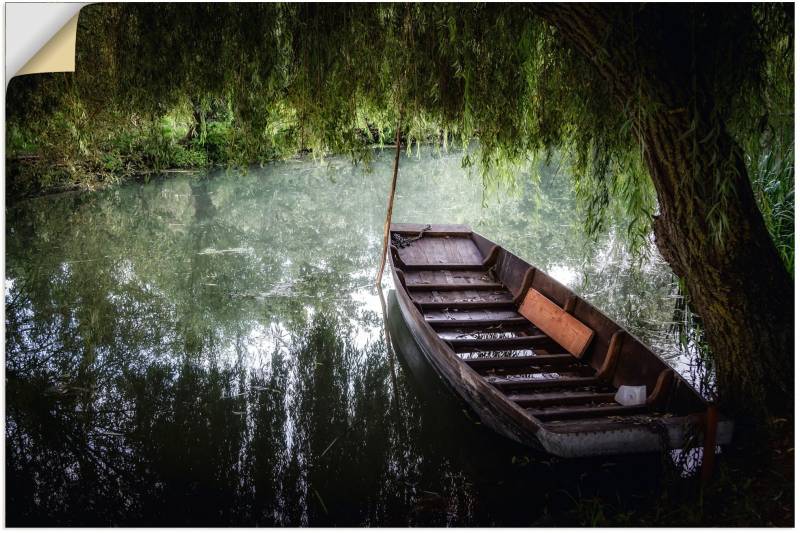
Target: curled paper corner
[
  {"x": 58, "y": 54},
  {"x": 40, "y": 37}
]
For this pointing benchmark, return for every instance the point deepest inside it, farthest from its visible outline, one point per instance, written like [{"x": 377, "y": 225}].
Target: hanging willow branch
[{"x": 389, "y": 207}]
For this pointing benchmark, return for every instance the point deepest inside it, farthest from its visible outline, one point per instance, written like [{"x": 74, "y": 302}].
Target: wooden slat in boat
[
  {"x": 509, "y": 362},
  {"x": 567, "y": 413},
  {"x": 467, "y": 304},
  {"x": 547, "y": 399},
  {"x": 517, "y": 384},
  {"x": 502, "y": 332},
  {"x": 548, "y": 371},
  {"x": 447, "y": 276},
  {"x": 469, "y": 314},
  {"x": 534, "y": 361},
  {"x": 478, "y": 322},
  {"x": 507, "y": 343},
  {"x": 455, "y": 298},
  {"x": 416, "y": 267},
  {"x": 454, "y": 286}
]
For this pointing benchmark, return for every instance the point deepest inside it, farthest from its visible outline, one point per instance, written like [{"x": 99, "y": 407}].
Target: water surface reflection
[{"x": 209, "y": 350}]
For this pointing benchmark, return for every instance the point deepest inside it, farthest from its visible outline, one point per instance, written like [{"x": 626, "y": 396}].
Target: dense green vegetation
[
  {"x": 679, "y": 118},
  {"x": 154, "y": 91},
  {"x": 47, "y": 161}
]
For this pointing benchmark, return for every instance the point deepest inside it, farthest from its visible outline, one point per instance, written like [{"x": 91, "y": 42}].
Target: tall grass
[{"x": 772, "y": 176}]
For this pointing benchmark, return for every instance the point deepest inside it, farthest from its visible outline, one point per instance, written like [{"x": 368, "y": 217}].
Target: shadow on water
[{"x": 209, "y": 350}]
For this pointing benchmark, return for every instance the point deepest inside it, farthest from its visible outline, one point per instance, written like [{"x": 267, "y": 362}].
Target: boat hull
[{"x": 568, "y": 439}]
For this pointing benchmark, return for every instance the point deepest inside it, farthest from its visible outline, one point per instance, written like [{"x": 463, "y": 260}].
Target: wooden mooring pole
[{"x": 389, "y": 208}]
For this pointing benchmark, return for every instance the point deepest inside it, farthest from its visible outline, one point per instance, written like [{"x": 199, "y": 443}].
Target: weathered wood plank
[
  {"x": 510, "y": 343},
  {"x": 478, "y": 322},
  {"x": 547, "y": 399},
  {"x": 492, "y": 332},
  {"x": 523, "y": 352},
  {"x": 455, "y": 304},
  {"x": 499, "y": 362},
  {"x": 446, "y": 276},
  {"x": 455, "y": 297},
  {"x": 565, "y": 372},
  {"x": 493, "y": 299},
  {"x": 455, "y": 286},
  {"x": 524, "y": 384},
  {"x": 571, "y": 413},
  {"x": 471, "y": 314},
  {"x": 444, "y": 266},
  {"x": 566, "y": 330},
  {"x": 443, "y": 229}
]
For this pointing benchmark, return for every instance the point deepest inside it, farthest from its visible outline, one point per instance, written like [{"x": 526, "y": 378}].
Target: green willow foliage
[{"x": 333, "y": 78}]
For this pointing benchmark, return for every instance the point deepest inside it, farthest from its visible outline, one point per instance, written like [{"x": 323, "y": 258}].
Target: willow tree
[{"x": 660, "y": 109}]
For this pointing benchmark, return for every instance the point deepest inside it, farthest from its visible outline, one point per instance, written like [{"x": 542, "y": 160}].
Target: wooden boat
[{"x": 533, "y": 360}]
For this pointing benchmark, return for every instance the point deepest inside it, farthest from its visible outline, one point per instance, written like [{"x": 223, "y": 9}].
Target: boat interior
[{"x": 544, "y": 348}]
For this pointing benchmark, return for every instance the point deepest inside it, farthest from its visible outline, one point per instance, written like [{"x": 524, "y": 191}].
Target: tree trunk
[
  {"x": 197, "y": 122},
  {"x": 736, "y": 280}
]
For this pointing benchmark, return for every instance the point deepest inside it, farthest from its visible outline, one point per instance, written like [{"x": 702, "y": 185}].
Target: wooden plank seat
[
  {"x": 507, "y": 343},
  {"x": 446, "y": 277},
  {"x": 431, "y": 302},
  {"x": 505, "y": 332},
  {"x": 560, "y": 360},
  {"x": 470, "y": 314},
  {"x": 477, "y": 322},
  {"x": 478, "y": 267},
  {"x": 547, "y": 399},
  {"x": 505, "y": 384},
  {"x": 556, "y": 322},
  {"x": 561, "y": 364},
  {"x": 454, "y": 286},
  {"x": 466, "y": 304},
  {"x": 461, "y": 294},
  {"x": 550, "y": 371},
  {"x": 492, "y": 354}
]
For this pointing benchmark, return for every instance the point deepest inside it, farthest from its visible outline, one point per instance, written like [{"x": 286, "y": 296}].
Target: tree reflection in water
[{"x": 208, "y": 350}]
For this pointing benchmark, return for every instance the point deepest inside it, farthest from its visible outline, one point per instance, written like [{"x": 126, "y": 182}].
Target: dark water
[{"x": 210, "y": 350}]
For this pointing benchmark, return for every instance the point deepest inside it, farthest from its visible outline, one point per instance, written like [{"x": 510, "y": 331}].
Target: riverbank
[
  {"x": 33, "y": 176},
  {"x": 753, "y": 486},
  {"x": 69, "y": 151},
  {"x": 130, "y": 156}
]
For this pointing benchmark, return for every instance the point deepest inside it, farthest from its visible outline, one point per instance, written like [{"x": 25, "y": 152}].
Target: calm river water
[{"x": 209, "y": 349}]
